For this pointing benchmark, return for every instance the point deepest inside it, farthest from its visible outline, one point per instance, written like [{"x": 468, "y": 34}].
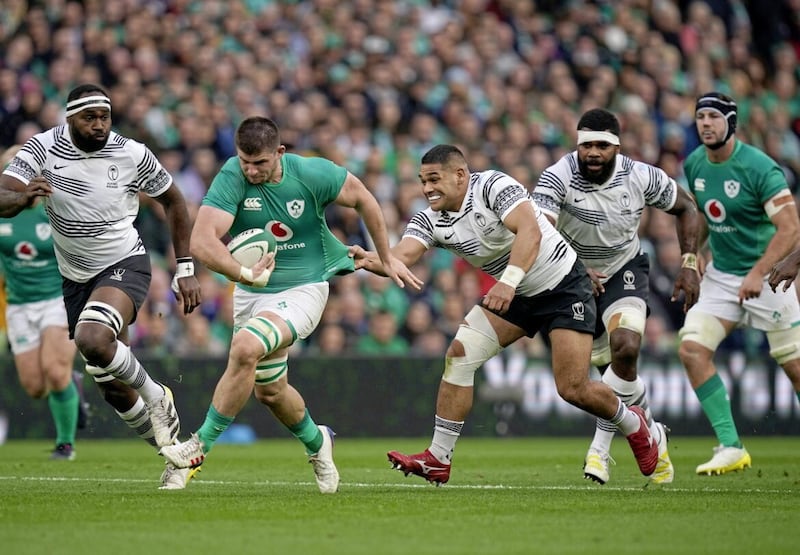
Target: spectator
[
  {"x": 382, "y": 337},
  {"x": 380, "y": 81}
]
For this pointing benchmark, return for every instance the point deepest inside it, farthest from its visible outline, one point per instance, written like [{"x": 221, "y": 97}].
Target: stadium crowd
[{"x": 373, "y": 84}]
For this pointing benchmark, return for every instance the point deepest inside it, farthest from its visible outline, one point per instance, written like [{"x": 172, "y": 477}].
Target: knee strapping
[
  {"x": 784, "y": 345},
  {"x": 268, "y": 371},
  {"x": 703, "y": 329},
  {"x": 95, "y": 312},
  {"x": 629, "y": 313},
  {"x": 265, "y": 331},
  {"x": 480, "y": 344}
]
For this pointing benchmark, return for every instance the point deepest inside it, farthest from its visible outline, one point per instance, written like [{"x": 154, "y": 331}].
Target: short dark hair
[
  {"x": 257, "y": 134},
  {"x": 442, "y": 154},
  {"x": 598, "y": 119},
  {"x": 81, "y": 90}
]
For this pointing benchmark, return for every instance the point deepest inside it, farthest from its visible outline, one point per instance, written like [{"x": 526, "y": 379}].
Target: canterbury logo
[{"x": 252, "y": 204}]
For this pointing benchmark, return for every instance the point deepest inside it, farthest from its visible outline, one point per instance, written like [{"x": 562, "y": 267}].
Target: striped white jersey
[
  {"x": 95, "y": 197},
  {"x": 476, "y": 232},
  {"x": 601, "y": 222}
]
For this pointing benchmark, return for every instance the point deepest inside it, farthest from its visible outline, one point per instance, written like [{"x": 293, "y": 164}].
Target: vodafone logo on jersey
[
  {"x": 280, "y": 230},
  {"x": 715, "y": 211},
  {"x": 25, "y": 250}
]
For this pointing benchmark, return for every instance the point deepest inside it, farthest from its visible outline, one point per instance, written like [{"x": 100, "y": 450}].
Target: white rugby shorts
[
  {"x": 301, "y": 306},
  {"x": 771, "y": 311},
  {"x": 25, "y": 322}
]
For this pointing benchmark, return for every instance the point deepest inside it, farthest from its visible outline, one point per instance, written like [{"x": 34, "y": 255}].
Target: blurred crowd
[{"x": 371, "y": 85}]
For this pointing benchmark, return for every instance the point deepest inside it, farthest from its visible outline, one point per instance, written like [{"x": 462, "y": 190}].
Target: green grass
[{"x": 506, "y": 496}]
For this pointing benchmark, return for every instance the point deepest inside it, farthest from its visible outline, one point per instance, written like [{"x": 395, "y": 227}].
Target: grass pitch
[{"x": 505, "y": 496}]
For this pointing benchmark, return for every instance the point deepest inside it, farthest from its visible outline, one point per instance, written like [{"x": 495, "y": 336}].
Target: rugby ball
[{"x": 251, "y": 245}]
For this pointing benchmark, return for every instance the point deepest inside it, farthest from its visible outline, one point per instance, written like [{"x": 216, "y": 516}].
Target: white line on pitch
[{"x": 499, "y": 487}]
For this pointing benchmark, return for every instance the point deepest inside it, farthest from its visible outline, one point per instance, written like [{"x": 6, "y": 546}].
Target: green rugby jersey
[
  {"x": 294, "y": 211},
  {"x": 28, "y": 258},
  {"x": 731, "y": 195}
]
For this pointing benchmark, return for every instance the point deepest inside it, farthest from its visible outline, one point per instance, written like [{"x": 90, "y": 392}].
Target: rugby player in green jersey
[{"x": 752, "y": 223}]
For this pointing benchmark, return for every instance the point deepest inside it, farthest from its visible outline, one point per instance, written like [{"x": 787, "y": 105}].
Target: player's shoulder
[
  {"x": 562, "y": 170},
  {"x": 696, "y": 156},
  {"x": 47, "y": 138},
  {"x": 750, "y": 153},
  {"x": 637, "y": 169},
  {"x": 486, "y": 179},
  {"x": 136, "y": 149},
  {"x": 307, "y": 164},
  {"x": 425, "y": 218}
]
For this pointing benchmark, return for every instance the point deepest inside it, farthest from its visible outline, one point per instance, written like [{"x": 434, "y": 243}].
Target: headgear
[
  {"x": 725, "y": 106},
  {"x": 85, "y": 102}
]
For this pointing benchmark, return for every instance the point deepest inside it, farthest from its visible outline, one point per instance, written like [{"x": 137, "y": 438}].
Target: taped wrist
[
  {"x": 261, "y": 280},
  {"x": 512, "y": 275},
  {"x": 184, "y": 267},
  {"x": 689, "y": 260}
]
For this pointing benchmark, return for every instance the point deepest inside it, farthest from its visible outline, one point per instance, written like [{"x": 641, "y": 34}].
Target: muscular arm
[
  {"x": 185, "y": 284},
  {"x": 688, "y": 227},
  {"x": 524, "y": 250},
  {"x": 354, "y": 194},
  {"x": 522, "y": 222},
  {"x": 408, "y": 251},
  {"x": 688, "y": 221},
  {"x": 206, "y": 244},
  {"x": 781, "y": 244},
  {"x": 180, "y": 226},
  {"x": 15, "y": 196}
]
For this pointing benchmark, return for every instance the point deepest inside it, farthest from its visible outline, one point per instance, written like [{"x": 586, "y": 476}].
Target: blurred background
[{"x": 371, "y": 85}]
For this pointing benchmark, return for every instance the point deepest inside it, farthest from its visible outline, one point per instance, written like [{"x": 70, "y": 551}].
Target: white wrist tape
[
  {"x": 260, "y": 280},
  {"x": 184, "y": 268},
  {"x": 512, "y": 275}
]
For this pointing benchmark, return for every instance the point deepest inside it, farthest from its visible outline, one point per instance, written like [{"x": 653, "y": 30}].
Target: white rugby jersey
[
  {"x": 601, "y": 222},
  {"x": 95, "y": 196},
  {"x": 476, "y": 232}
]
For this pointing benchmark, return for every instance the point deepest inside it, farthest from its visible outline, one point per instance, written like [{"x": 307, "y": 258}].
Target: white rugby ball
[{"x": 251, "y": 245}]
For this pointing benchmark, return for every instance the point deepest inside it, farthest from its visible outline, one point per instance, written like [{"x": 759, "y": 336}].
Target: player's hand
[
  {"x": 499, "y": 298},
  {"x": 784, "y": 271},
  {"x": 37, "y": 187},
  {"x": 751, "y": 287},
  {"x": 597, "y": 283},
  {"x": 401, "y": 275},
  {"x": 187, "y": 291},
  {"x": 258, "y": 275},
  {"x": 688, "y": 281},
  {"x": 361, "y": 257}
]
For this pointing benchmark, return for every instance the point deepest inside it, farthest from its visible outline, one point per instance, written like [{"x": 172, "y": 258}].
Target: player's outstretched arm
[
  {"x": 407, "y": 252},
  {"x": 354, "y": 194}
]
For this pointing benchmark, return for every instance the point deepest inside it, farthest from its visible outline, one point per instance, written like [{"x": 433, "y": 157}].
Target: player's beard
[
  {"x": 87, "y": 143},
  {"x": 597, "y": 176}
]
